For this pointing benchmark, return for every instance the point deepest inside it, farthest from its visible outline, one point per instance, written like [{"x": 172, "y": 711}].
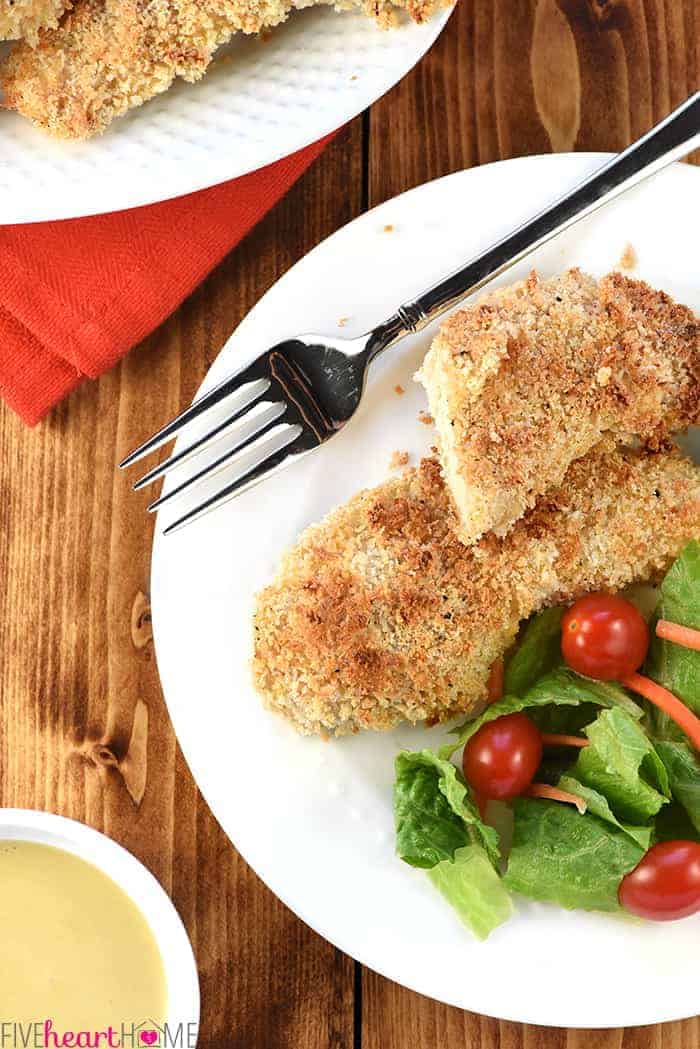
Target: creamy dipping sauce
[{"x": 74, "y": 947}]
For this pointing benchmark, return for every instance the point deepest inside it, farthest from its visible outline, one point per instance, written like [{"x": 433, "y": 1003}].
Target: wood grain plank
[
  {"x": 394, "y": 1018},
  {"x": 536, "y": 75},
  {"x": 390, "y": 1012},
  {"x": 75, "y": 552},
  {"x": 495, "y": 84}
]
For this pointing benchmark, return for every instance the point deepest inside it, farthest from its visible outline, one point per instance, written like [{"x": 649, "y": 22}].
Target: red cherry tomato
[
  {"x": 500, "y": 759},
  {"x": 604, "y": 637},
  {"x": 665, "y": 884}
]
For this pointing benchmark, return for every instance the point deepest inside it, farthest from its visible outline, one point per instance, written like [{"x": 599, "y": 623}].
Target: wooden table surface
[{"x": 84, "y": 728}]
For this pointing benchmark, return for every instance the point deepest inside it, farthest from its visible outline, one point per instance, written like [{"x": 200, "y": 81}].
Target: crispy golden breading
[
  {"x": 380, "y": 614},
  {"x": 530, "y": 377},
  {"x": 109, "y": 56},
  {"x": 22, "y": 19}
]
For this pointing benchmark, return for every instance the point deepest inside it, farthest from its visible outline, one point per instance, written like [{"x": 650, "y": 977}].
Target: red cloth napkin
[{"x": 76, "y": 295}]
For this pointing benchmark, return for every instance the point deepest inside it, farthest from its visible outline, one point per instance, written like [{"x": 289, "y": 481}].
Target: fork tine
[
  {"x": 229, "y": 458},
  {"x": 235, "y": 383},
  {"x": 270, "y": 465},
  {"x": 260, "y": 415}
]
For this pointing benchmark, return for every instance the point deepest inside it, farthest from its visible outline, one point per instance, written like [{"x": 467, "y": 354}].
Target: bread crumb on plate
[
  {"x": 628, "y": 259},
  {"x": 398, "y": 460}
]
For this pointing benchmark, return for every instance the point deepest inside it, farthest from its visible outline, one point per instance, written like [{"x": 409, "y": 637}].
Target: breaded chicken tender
[
  {"x": 530, "y": 377},
  {"x": 109, "y": 56},
  {"x": 22, "y": 19},
  {"x": 380, "y": 614}
]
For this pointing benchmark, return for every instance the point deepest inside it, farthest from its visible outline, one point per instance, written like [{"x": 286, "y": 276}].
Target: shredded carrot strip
[
  {"x": 553, "y": 739},
  {"x": 666, "y": 701},
  {"x": 495, "y": 682},
  {"x": 543, "y": 790},
  {"x": 681, "y": 635}
]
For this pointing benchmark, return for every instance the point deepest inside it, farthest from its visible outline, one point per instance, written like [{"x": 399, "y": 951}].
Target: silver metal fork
[{"x": 303, "y": 391}]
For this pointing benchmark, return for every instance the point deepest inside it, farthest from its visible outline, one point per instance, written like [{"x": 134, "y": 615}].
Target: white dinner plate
[
  {"x": 268, "y": 98},
  {"x": 314, "y": 818}
]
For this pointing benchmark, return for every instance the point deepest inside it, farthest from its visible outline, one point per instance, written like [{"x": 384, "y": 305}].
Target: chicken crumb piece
[
  {"x": 426, "y": 418},
  {"x": 354, "y": 76},
  {"x": 343, "y": 321},
  {"x": 549, "y": 367},
  {"x": 388, "y": 228},
  {"x": 399, "y": 390},
  {"x": 23, "y": 19},
  {"x": 353, "y": 631},
  {"x": 398, "y": 460},
  {"x": 628, "y": 259}
]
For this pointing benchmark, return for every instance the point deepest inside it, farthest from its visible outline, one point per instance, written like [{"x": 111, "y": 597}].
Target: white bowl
[{"x": 138, "y": 883}]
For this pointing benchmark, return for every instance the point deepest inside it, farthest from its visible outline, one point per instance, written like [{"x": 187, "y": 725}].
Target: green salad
[{"x": 579, "y": 783}]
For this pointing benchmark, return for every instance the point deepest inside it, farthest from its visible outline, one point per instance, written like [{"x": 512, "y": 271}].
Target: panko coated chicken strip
[
  {"x": 109, "y": 56},
  {"x": 380, "y": 614},
  {"x": 531, "y": 376},
  {"x": 22, "y": 19}
]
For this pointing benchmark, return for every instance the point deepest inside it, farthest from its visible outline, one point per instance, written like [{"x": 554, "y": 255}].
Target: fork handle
[{"x": 669, "y": 140}]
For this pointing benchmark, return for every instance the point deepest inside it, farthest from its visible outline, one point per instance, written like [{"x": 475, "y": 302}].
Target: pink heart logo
[{"x": 148, "y": 1037}]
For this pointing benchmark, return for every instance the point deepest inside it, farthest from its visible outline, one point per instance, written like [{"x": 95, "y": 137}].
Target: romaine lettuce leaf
[
  {"x": 597, "y": 805},
  {"x": 538, "y": 651},
  {"x": 561, "y": 687},
  {"x": 673, "y": 824},
  {"x": 569, "y": 859},
  {"x": 569, "y": 721},
  {"x": 683, "y": 767},
  {"x": 678, "y": 669},
  {"x": 471, "y": 885},
  {"x": 433, "y": 813},
  {"x": 673, "y": 666},
  {"x": 622, "y": 764},
  {"x": 564, "y": 686},
  {"x": 556, "y": 762}
]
